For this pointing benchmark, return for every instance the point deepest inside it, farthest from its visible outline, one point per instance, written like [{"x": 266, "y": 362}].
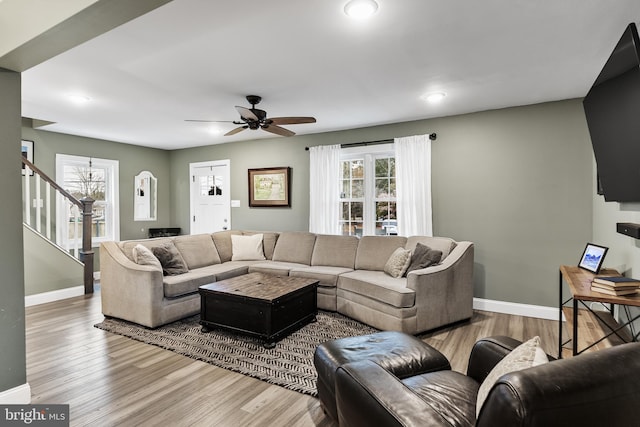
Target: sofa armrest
[
  {"x": 128, "y": 290},
  {"x": 486, "y": 353},
  {"x": 369, "y": 395},
  {"x": 592, "y": 389},
  {"x": 444, "y": 292}
]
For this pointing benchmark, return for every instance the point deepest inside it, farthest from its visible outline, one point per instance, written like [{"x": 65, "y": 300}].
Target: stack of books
[{"x": 615, "y": 285}]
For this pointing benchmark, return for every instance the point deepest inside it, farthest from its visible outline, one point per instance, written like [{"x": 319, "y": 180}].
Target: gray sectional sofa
[{"x": 349, "y": 271}]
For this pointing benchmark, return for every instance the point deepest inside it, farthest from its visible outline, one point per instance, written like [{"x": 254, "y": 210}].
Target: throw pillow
[
  {"x": 142, "y": 255},
  {"x": 170, "y": 259},
  {"x": 398, "y": 262},
  {"x": 524, "y": 356},
  {"x": 423, "y": 256},
  {"x": 247, "y": 248}
]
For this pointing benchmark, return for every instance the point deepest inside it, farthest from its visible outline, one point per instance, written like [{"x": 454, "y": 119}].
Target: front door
[{"x": 210, "y": 196}]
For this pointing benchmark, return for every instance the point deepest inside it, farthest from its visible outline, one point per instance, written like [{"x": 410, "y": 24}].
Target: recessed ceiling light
[
  {"x": 79, "y": 99},
  {"x": 360, "y": 9},
  {"x": 433, "y": 97}
]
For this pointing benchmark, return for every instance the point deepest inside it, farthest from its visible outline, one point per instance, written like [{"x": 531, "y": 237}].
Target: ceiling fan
[{"x": 254, "y": 118}]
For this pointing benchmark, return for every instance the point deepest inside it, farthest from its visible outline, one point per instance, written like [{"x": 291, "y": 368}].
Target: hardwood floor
[{"x": 111, "y": 380}]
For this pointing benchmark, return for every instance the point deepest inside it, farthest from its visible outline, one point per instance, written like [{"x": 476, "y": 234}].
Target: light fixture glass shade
[{"x": 360, "y": 9}]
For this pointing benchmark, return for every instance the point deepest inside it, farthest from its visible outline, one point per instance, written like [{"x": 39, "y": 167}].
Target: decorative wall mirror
[{"x": 145, "y": 199}]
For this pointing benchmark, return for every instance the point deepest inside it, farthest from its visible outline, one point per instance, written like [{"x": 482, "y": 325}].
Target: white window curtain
[
  {"x": 324, "y": 185},
  {"x": 413, "y": 185}
]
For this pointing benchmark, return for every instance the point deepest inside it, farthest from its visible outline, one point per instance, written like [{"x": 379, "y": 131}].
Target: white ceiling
[{"x": 197, "y": 59}]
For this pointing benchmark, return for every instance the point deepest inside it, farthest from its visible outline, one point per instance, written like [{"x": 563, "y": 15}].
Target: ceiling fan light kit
[{"x": 360, "y": 9}]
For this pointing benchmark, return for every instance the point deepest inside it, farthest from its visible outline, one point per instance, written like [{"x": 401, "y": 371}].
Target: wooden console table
[{"x": 579, "y": 281}]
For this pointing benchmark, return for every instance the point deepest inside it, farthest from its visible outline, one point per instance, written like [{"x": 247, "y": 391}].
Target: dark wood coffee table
[{"x": 263, "y": 305}]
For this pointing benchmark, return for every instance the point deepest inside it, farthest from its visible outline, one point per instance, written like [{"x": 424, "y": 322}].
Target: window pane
[
  {"x": 392, "y": 187},
  {"x": 392, "y": 167},
  {"x": 357, "y": 169},
  {"x": 357, "y": 188},
  {"x": 356, "y": 211},
  {"x": 382, "y": 167},
  {"x": 346, "y": 170},
  {"x": 382, "y": 187},
  {"x": 345, "y": 210}
]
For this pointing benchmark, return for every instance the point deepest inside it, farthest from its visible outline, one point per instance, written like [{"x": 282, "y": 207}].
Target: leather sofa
[
  {"x": 593, "y": 389},
  {"x": 349, "y": 269}
]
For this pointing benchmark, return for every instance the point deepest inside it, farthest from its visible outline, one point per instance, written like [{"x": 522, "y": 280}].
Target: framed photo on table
[
  {"x": 270, "y": 187},
  {"x": 592, "y": 257}
]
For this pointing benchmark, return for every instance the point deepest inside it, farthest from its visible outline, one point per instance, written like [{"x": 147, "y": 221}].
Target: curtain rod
[{"x": 432, "y": 137}]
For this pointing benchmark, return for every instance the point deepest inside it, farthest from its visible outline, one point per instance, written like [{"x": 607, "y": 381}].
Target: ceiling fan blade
[
  {"x": 236, "y": 130},
  {"x": 247, "y": 114},
  {"x": 291, "y": 120},
  {"x": 209, "y": 121},
  {"x": 278, "y": 130}
]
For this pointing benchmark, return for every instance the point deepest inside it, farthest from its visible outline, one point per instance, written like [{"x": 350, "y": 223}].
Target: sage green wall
[
  {"x": 516, "y": 182},
  {"x": 13, "y": 371},
  {"x": 624, "y": 251},
  {"x": 132, "y": 159},
  {"x": 48, "y": 268}
]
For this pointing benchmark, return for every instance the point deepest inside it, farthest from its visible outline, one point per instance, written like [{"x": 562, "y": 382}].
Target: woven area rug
[{"x": 289, "y": 364}]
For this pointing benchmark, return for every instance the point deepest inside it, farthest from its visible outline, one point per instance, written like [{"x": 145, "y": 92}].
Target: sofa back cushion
[
  {"x": 294, "y": 246},
  {"x": 268, "y": 241},
  {"x": 374, "y": 251},
  {"x": 197, "y": 250},
  {"x": 335, "y": 251},
  {"x": 443, "y": 244},
  {"x": 222, "y": 240},
  {"x": 128, "y": 245}
]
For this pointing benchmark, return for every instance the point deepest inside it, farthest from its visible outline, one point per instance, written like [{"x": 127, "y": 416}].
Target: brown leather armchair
[{"x": 593, "y": 389}]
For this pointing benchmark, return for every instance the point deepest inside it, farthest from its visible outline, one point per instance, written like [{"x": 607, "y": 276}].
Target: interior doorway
[{"x": 210, "y": 200}]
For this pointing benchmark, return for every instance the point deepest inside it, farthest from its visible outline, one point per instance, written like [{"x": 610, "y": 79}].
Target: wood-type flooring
[{"x": 110, "y": 380}]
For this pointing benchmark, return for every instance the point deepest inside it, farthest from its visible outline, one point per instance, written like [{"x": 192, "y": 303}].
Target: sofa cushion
[
  {"x": 335, "y": 251},
  {"x": 127, "y": 246},
  {"x": 452, "y": 393},
  {"x": 269, "y": 240},
  {"x": 222, "y": 241},
  {"x": 247, "y": 248},
  {"x": 378, "y": 286},
  {"x": 275, "y": 267},
  {"x": 443, "y": 244},
  {"x": 197, "y": 250},
  {"x": 294, "y": 246},
  {"x": 143, "y": 256},
  {"x": 423, "y": 257},
  {"x": 170, "y": 259},
  {"x": 397, "y": 263},
  {"x": 326, "y": 275},
  {"x": 521, "y": 357},
  {"x": 374, "y": 251},
  {"x": 187, "y": 283}
]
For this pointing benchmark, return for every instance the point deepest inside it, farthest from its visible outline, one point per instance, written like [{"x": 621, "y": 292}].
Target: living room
[{"x": 519, "y": 182}]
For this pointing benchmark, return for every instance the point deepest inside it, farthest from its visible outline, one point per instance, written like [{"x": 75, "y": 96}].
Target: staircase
[{"x": 37, "y": 215}]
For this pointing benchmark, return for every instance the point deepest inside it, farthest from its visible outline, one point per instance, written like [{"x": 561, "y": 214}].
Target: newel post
[{"x": 86, "y": 254}]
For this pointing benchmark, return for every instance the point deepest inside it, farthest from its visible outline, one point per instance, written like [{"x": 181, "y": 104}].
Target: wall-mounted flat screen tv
[{"x": 612, "y": 109}]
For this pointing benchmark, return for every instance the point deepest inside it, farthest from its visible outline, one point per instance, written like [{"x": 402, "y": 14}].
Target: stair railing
[{"x": 82, "y": 208}]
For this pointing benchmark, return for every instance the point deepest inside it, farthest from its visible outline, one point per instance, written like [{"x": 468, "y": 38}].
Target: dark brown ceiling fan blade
[
  {"x": 278, "y": 130},
  {"x": 246, "y": 113},
  {"x": 291, "y": 120},
  {"x": 236, "y": 130},
  {"x": 209, "y": 121}
]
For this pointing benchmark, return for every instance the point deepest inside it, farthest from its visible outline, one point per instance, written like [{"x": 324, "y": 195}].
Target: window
[
  {"x": 368, "y": 193},
  {"x": 98, "y": 179}
]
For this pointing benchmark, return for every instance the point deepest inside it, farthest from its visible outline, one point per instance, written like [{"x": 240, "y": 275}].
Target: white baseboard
[
  {"x": 51, "y": 296},
  {"x": 20, "y": 395},
  {"x": 528, "y": 310}
]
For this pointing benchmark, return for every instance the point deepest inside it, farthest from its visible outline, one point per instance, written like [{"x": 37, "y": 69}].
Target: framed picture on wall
[
  {"x": 269, "y": 187},
  {"x": 592, "y": 257},
  {"x": 27, "y": 153}
]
